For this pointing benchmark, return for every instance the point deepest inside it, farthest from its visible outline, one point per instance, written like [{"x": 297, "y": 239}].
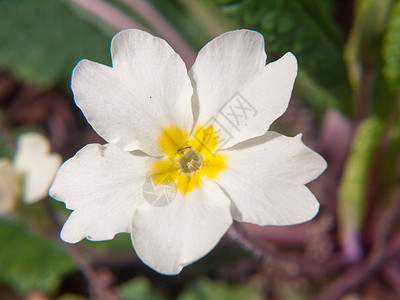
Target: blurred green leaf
[
  {"x": 182, "y": 21},
  {"x": 391, "y": 46},
  {"x": 5, "y": 149},
  {"x": 30, "y": 262},
  {"x": 41, "y": 41},
  {"x": 353, "y": 186},
  {"x": 392, "y": 156},
  {"x": 138, "y": 289},
  {"x": 307, "y": 29},
  {"x": 363, "y": 47},
  {"x": 211, "y": 19},
  {"x": 120, "y": 243},
  {"x": 5, "y": 146},
  {"x": 207, "y": 290}
]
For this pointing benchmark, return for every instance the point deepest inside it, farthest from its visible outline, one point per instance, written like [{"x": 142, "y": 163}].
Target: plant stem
[
  {"x": 380, "y": 254},
  {"x": 164, "y": 28},
  {"x": 107, "y": 13}
]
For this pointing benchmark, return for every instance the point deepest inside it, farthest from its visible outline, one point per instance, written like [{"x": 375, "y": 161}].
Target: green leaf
[
  {"x": 392, "y": 156},
  {"x": 178, "y": 16},
  {"x": 363, "y": 47},
  {"x": 5, "y": 148},
  {"x": 41, "y": 41},
  {"x": 120, "y": 243},
  {"x": 207, "y": 14},
  {"x": 30, "y": 262},
  {"x": 207, "y": 290},
  {"x": 307, "y": 29},
  {"x": 138, "y": 289},
  {"x": 391, "y": 46},
  {"x": 5, "y": 145},
  {"x": 353, "y": 186}
]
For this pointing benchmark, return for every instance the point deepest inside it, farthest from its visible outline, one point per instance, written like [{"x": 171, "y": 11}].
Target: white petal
[
  {"x": 266, "y": 181},
  {"x": 10, "y": 187},
  {"x": 34, "y": 160},
  {"x": 102, "y": 184},
  {"x": 146, "y": 89},
  {"x": 222, "y": 66},
  {"x": 170, "y": 237},
  {"x": 252, "y": 107}
]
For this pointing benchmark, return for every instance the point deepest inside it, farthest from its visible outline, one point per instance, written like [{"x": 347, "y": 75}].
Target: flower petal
[
  {"x": 170, "y": 237},
  {"x": 146, "y": 89},
  {"x": 266, "y": 181},
  {"x": 222, "y": 66},
  {"x": 251, "y": 108},
  {"x": 102, "y": 184},
  {"x": 34, "y": 160}
]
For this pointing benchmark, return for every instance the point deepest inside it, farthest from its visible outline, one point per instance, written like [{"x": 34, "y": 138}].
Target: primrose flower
[
  {"x": 34, "y": 160},
  {"x": 30, "y": 174},
  {"x": 187, "y": 152}
]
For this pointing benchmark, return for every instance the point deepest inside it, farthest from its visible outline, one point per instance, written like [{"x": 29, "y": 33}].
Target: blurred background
[{"x": 345, "y": 102}]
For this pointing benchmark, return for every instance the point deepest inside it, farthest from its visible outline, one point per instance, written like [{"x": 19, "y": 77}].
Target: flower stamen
[
  {"x": 188, "y": 160},
  {"x": 184, "y": 148}
]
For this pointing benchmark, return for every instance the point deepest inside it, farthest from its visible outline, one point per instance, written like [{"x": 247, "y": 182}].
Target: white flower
[
  {"x": 38, "y": 166},
  {"x": 202, "y": 138},
  {"x": 30, "y": 174}
]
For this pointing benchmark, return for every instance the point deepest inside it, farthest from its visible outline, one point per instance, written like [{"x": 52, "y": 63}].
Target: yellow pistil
[{"x": 187, "y": 161}]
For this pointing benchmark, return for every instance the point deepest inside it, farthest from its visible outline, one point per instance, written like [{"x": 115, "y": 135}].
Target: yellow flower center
[{"x": 187, "y": 160}]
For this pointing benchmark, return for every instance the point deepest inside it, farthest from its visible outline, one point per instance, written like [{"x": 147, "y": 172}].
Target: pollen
[{"x": 188, "y": 160}]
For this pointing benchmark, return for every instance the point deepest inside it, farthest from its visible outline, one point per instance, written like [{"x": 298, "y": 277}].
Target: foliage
[
  {"x": 30, "y": 262},
  {"x": 182, "y": 21},
  {"x": 354, "y": 185},
  {"x": 202, "y": 289},
  {"x": 41, "y": 41},
  {"x": 391, "y": 46},
  {"x": 371, "y": 46},
  {"x": 205, "y": 289},
  {"x": 138, "y": 289},
  {"x": 5, "y": 148},
  {"x": 307, "y": 29}
]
